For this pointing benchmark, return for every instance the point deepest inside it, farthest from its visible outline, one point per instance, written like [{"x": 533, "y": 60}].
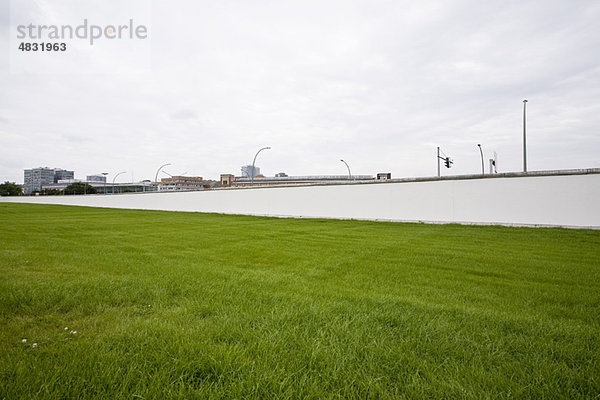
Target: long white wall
[{"x": 563, "y": 200}]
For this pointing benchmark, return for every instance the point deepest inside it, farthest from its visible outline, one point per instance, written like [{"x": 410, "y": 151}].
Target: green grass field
[{"x": 186, "y": 305}]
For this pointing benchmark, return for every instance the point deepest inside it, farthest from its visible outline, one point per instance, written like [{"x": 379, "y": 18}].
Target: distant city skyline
[
  {"x": 58, "y": 174},
  {"x": 378, "y": 84}
]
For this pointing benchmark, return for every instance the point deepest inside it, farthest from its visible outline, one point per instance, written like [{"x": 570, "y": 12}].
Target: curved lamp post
[
  {"x": 156, "y": 176},
  {"x": 481, "y": 151},
  {"x": 349, "y": 174},
  {"x": 113, "y": 183},
  {"x": 524, "y": 137},
  {"x": 254, "y": 161}
]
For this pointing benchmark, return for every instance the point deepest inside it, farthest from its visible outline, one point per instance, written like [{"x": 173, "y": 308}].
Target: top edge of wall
[{"x": 529, "y": 174}]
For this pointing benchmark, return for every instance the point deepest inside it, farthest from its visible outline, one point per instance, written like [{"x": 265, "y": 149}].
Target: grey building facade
[
  {"x": 95, "y": 178},
  {"x": 63, "y": 174},
  {"x": 247, "y": 170}
]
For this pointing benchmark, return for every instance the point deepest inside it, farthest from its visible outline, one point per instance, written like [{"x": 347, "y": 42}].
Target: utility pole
[
  {"x": 524, "y": 136},
  {"x": 438, "y": 160},
  {"x": 447, "y": 161}
]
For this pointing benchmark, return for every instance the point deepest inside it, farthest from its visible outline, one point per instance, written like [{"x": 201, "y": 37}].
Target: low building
[
  {"x": 179, "y": 183},
  {"x": 228, "y": 180},
  {"x": 107, "y": 188}
]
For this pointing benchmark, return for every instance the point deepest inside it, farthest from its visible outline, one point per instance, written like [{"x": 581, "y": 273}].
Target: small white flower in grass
[
  {"x": 66, "y": 328},
  {"x": 24, "y": 341},
  {"x": 73, "y": 332},
  {"x": 34, "y": 345}
]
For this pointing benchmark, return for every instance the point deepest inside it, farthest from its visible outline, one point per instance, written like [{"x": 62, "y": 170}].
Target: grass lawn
[{"x": 187, "y": 305}]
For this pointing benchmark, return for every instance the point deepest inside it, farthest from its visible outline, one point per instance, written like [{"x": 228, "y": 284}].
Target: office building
[
  {"x": 96, "y": 178},
  {"x": 63, "y": 175},
  {"x": 35, "y": 178}
]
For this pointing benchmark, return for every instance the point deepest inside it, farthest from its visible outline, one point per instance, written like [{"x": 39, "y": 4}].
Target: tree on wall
[
  {"x": 10, "y": 189},
  {"x": 79, "y": 188}
]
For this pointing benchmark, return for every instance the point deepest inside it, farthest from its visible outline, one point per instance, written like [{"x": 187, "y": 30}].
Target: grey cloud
[{"x": 184, "y": 115}]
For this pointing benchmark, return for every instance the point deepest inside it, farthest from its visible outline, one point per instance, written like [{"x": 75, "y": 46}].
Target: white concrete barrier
[{"x": 558, "y": 198}]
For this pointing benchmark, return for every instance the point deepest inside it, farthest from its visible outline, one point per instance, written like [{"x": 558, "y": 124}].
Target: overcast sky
[{"x": 377, "y": 83}]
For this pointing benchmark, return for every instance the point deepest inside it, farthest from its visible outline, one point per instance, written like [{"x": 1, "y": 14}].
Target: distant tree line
[
  {"x": 79, "y": 188},
  {"x": 10, "y": 189}
]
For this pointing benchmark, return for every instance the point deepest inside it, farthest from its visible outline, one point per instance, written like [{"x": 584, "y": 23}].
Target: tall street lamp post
[
  {"x": 524, "y": 136},
  {"x": 254, "y": 161},
  {"x": 481, "y": 151},
  {"x": 113, "y": 182},
  {"x": 349, "y": 173},
  {"x": 104, "y": 173},
  {"x": 156, "y": 176}
]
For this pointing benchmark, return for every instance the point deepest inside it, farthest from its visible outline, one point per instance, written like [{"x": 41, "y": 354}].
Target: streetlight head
[
  {"x": 479, "y": 144},
  {"x": 342, "y": 160},
  {"x": 525, "y": 101}
]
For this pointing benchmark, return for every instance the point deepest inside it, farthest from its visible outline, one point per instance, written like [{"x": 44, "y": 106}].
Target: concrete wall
[{"x": 514, "y": 199}]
